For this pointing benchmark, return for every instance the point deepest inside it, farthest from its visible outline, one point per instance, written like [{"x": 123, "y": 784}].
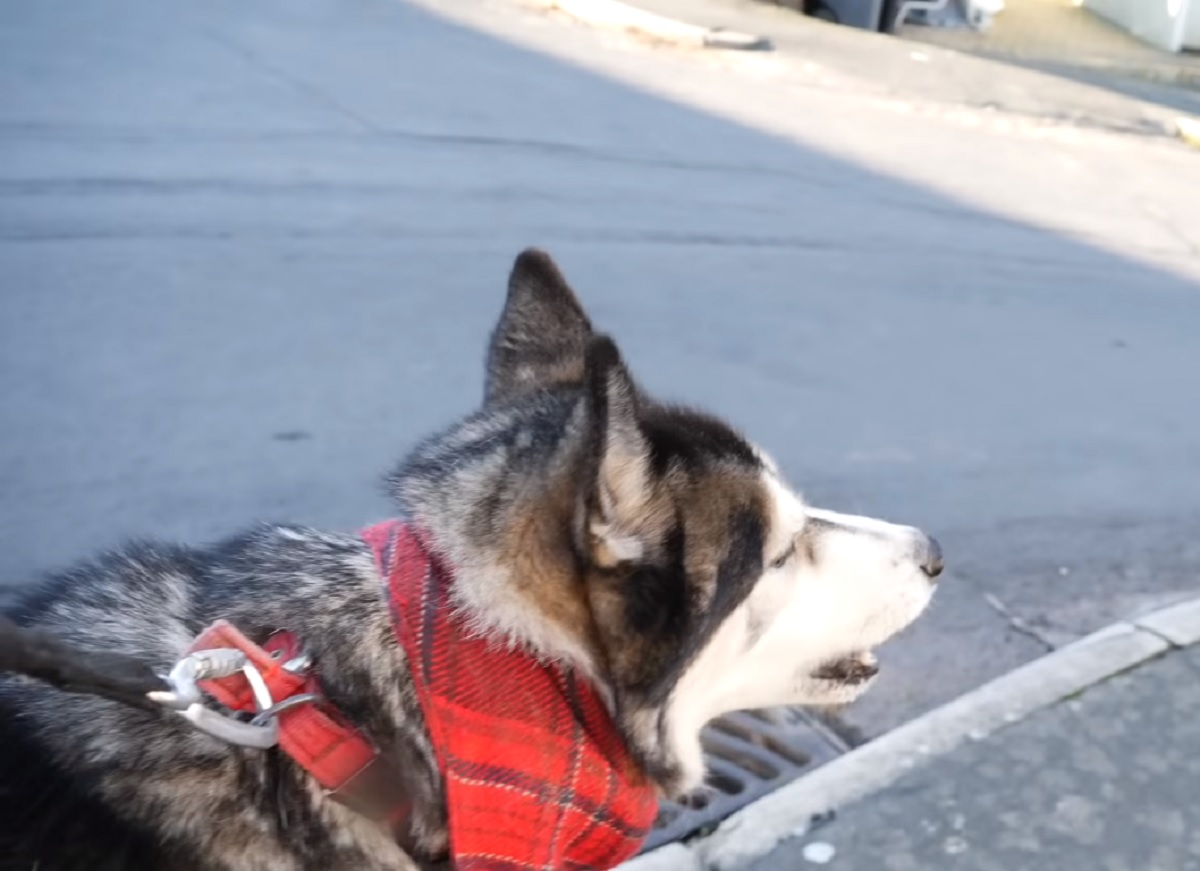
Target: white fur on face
[{"x": 861, "y": 585}]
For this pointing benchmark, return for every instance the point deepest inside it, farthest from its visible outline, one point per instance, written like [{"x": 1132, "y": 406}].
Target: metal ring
[
  {"x": 279, "y": 707},
  {"x": 262, "y": 693},
  {"x": 231, "y": 731}
]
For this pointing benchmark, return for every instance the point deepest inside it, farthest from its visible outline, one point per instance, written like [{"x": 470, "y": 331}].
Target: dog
[{"x": 648, "y": 555}]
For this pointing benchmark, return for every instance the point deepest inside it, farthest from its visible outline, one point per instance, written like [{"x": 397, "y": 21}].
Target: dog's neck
[
  {"x": 493, "y": 592},
  {"x": 528, "y": 592}
]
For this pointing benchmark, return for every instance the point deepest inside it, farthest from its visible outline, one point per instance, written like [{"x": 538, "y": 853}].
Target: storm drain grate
[{"x": 749, "y": 755}]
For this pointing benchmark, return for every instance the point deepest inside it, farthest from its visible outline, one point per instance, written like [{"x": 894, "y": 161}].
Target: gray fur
[{"x": 207, "y": 804}]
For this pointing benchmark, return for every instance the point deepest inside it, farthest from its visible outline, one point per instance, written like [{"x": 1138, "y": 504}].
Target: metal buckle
[{"x": 186, "y": 699}]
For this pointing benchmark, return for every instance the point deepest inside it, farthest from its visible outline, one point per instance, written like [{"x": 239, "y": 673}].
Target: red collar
[
  {"x": 536, "y": 773},
  {"x": 311, "y": 731}
]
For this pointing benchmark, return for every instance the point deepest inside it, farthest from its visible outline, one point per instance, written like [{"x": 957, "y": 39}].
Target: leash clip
[
  {"x": 187, "y": 700},
  {"x": 184, "y": 676},
  {"x": 224, "y": 666}
]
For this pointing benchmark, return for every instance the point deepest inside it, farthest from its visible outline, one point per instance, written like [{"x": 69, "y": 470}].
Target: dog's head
[{"x": 650, "y": 545}]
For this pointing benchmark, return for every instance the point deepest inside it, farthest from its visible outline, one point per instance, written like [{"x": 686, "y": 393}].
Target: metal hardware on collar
[
  {"x": 266, "y": 696},
  {"x": 299, "y": 663},
  {"x": 231, "y": 731},
  {"x": 186, "y": 699},
  {"x": 197, "y": 666},
  {"x": 273, "y": 711},
  {"x": 262, "y": 693}
]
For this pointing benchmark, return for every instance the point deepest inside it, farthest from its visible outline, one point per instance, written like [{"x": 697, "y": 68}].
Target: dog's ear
[
  {"x": 621, "y": 489},
  {"x": 542, "y": 334}
]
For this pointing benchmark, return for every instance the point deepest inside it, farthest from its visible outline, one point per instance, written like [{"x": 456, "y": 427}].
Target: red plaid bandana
[{"x": 536, "y": 774}]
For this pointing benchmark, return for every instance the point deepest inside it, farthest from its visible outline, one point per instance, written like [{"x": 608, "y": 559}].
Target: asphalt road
[{"x": 250, "y": 252}]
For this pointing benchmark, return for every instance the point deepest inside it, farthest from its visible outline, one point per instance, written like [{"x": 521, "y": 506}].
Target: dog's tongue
[{"x": 856, "y": 668}]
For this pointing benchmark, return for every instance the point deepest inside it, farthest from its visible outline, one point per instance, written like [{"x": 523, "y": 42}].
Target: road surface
[{"x": 251, "y": 252}]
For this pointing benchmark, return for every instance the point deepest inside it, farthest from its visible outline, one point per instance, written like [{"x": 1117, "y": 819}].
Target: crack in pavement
[
  {"x": 306, "y": 89},
  {"x": 1018, "y": 623}
]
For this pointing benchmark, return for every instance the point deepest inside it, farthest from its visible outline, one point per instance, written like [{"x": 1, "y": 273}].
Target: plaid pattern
[{"x": 537, "y": 776}]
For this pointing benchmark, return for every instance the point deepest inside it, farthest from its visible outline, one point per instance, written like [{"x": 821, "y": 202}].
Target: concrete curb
[
  {"x": 615, "y": 15},
  {"x": 756, "y": 829}
]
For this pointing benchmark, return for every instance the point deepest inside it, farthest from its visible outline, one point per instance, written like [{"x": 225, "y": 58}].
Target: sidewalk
[
  {"x": 1126, "y": 87},
  {"x": 1062, "y": 38},
  {"x": 1063, "y": 34},
  {"x": 1086, "y": 759},
  {"x": 1109, "y": 780}
]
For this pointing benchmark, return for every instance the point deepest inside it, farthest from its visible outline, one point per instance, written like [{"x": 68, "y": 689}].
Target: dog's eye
[{"x": 781, "y": 560}]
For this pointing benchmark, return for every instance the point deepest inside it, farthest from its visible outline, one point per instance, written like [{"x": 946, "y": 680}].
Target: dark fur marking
[
  {"x": 692, "y": 439},
  {"x": 658, "y": 601},
  {"x": 742, "y": 566},
  {"x": 662, "y": 611}
]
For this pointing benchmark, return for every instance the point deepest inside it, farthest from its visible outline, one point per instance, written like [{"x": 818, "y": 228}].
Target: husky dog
[{"x": 649, "y": 548}]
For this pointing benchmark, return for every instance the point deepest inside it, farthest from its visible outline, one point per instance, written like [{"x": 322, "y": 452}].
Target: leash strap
[{"x": 37, "y": 655}]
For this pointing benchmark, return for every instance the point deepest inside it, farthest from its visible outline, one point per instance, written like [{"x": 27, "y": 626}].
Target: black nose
[{"x": 929, "y": 556}]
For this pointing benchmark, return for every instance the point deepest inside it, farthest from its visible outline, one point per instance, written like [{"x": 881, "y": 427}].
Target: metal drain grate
[{"x": 749, "y": 755}]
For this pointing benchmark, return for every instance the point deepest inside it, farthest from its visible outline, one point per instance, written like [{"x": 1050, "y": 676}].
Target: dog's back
[{"x": 66, "y": 760}]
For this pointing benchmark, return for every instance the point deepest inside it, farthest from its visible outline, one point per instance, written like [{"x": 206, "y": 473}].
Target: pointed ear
[
  {"x": 540, "y": 339},
  {"x": 622, "y": 486}
]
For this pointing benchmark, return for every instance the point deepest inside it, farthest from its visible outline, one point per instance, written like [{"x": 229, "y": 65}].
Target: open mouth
[{"x": 853, "y": 669}]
